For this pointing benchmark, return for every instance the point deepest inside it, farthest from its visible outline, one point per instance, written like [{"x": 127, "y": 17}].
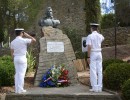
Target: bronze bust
[{"x": 48, "y": 20}]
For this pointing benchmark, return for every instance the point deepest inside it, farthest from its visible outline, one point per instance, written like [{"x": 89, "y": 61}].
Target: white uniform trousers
[
  {"x": 96, "y": 70},
  {"x": 20, "y": 63}
]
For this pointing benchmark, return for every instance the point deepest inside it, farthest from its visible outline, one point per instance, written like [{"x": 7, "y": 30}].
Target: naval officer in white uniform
[
  {"x": 94, "y": 58},
  {"x": 18, "y": 53}
]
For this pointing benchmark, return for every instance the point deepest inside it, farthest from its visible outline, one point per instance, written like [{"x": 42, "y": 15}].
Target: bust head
[
  {"x": 49, "y": 12},
  {"x": 49, "y": 20}
]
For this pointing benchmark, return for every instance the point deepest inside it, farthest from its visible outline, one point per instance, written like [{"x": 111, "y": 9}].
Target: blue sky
[{"x": 107, "y": 6}]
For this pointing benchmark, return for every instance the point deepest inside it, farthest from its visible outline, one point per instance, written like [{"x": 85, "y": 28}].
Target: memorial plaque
[{"x": 55, "y": 47}]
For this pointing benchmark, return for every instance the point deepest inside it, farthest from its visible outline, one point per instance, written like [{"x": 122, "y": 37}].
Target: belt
[
  {"x": 96, "y": 50},
  {"x": 21, "y": 56}
]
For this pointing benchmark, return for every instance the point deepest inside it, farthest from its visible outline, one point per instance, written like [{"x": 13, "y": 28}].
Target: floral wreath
[{"x": 55, "y": 76}]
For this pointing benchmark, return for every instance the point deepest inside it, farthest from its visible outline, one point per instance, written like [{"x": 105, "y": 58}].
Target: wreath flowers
[{"x": 55, "y": 76}]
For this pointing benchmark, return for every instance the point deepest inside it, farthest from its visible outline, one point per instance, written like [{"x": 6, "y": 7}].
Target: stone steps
[
  {"x": 75, "y": 92},
  {"x": 61, "y": 97}
]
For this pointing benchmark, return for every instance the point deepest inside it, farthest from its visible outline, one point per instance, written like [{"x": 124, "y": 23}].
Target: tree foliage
[
  {"x": 17, "y": 13},
  {"x": 3, "y": 19},
  {"x": 108, "y": 21},
  {"x": 123, "y": 12},
  {"x": 93, "y": 13}
]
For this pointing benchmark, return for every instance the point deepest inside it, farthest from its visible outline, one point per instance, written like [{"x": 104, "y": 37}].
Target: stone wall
[
  {"x": 121, "y": 34},
  {"x": 123, "y": 51}
]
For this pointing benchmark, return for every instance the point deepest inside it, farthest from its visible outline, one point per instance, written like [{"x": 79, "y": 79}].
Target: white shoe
[
  {"x": 23, "y": 91},
  {"x": 96, "y": 91},
  {"x": 100, "y": 90},
  {"x": 91, "y": 90}
]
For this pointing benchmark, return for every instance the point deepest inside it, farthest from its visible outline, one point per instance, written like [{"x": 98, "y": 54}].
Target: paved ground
[{"x": 73, "y": 90}]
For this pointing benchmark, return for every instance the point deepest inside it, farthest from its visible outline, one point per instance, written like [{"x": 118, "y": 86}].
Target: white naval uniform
[
  {"x": 19, "y": 45},
  {"x": 95, "y": 39}
]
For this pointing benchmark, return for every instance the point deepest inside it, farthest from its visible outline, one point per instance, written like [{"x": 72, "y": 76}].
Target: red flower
[{"x": 65, "y": 72}]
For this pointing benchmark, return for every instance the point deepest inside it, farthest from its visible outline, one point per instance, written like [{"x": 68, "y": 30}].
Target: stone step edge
[{"x": 64, "y": 95}]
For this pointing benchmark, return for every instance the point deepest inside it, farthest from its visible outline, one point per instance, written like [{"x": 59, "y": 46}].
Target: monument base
[{"x": 50, "y": 56}]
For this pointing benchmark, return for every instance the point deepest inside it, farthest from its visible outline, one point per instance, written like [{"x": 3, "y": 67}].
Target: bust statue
[{"x": 48, "y": 20}]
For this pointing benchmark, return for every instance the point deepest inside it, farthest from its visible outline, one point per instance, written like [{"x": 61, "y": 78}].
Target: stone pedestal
[{"x": 47, "y": 59}]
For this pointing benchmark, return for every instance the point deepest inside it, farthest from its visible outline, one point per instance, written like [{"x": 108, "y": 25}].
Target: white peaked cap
[
  {"x": 94, "y": 24},
  {"x": 19, "y": 29}
]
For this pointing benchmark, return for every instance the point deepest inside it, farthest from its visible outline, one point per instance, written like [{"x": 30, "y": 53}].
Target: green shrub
[
  {"x": 115, "y": 75},
  {"x": 6, "y": 71},
  {"x": 31, "y": 60},
  {"x": 126, "y": 90},
  {"x": 110, "y": 61}
]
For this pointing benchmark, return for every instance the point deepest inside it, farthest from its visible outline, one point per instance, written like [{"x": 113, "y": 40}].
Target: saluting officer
[
  {"x": 18, "y": 53},
  {"x": 94, "y": 58}
]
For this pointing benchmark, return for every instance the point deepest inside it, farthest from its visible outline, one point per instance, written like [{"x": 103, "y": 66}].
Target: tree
[
  {"x": 93, "y": 13},
  {"x": 16, "y": 13},
  {"x": 109, "y": 19},
  {"x": 123, "y": 12},
  {"x": 3, "y": 8}
]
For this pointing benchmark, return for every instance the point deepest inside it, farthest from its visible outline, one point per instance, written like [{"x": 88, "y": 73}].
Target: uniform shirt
[
  {"x": 95, "y": 39},
  {"x": 19, "y": 45}
]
